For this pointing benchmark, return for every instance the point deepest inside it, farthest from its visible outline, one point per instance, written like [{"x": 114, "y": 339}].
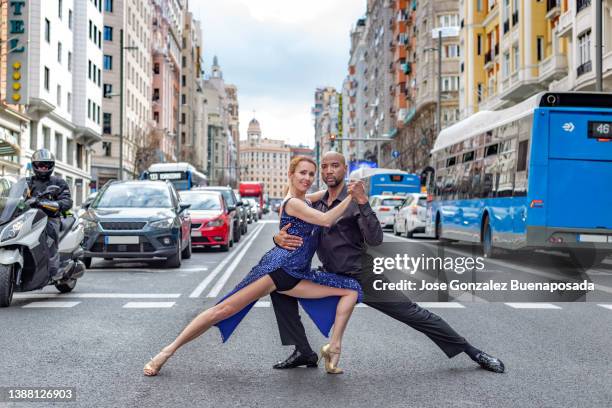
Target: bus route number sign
[{"x": 600, "y": 130}]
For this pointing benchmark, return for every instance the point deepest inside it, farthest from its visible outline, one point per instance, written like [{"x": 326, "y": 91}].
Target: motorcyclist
[{"x": 43, "y": 164}]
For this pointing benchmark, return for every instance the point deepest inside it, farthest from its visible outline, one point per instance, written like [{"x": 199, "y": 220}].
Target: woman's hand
[
  {"x": 356, "y": 190},
  {"x": 287, "y": 241}
]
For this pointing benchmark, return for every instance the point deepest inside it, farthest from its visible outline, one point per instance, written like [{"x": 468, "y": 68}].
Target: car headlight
[
  {"x": 215, "y": 223},
  {"x": 163, "y": 224}
]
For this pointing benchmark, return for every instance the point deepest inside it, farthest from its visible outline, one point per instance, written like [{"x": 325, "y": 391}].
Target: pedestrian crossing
[{"x": 152, "y": 301}]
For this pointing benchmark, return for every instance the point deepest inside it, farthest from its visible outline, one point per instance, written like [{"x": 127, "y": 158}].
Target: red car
[{"x": 211, "y": 223}]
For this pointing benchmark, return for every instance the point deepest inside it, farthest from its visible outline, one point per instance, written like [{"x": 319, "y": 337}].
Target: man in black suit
[{"x": 342, "y": 250}]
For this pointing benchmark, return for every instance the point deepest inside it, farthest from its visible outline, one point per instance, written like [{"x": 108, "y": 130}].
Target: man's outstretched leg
[
  {"x": 292, "y": 332},
  {"x": 396, "y": 305}
]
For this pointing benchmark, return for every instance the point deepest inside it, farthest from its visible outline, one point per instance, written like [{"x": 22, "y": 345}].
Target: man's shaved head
[{"x": 334, "y": 155}]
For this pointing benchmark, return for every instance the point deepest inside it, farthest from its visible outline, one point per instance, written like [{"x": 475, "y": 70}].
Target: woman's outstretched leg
[
  {"x": 210, "y": 317},
  {"x": 310, "y": 290}
]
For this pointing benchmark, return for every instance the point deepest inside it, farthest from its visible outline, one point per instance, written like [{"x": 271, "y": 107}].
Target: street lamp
[{"x": 121, "y": 98}]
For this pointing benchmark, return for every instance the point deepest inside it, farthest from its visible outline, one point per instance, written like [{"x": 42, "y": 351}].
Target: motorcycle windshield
[{"x": 10, "y": 200}]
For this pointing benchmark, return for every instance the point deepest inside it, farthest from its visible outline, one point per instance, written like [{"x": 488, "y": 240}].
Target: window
[
  {"x": 479, "y": 44},
  {"x": 540, "y": 48},
  {"x": 108, "y": 33},
  {"x": 448, "y": 20},
  {"x": 515, "y": 54},
  {"x": 90, "y": 29},
  {"x": 108, "y": 62},
  {"x": 450, "y": 83},
  {"x": 47, "y": 30},
  {"x": 451, "y": 50},
  {"x": 156, "y": 94},
  {"x": 506, "y": 65},
  {"x": 70, "y": 152},
  {"x": 60, "y": 7},
  {"x": 59, "y": 95},
  {"x": 478, "y": 5},
  {"x": 156, "y": 68},
  {"x": 156, "y": 117},
  {"x": 107, "y": 90},
  {"x": 69, "y": 61},
  {"x": 183, "y": 99},
  {"x": 183, "y": 80},
  {"x": 584, "y": 47},
  {"x": 491, "y": 150},
  {"x": 47, "y": 78},
  {"x": 70, "y": 19},
  {"x": 106, "y": 123},
  {"x": 89, "y": 65},
  {"x": 107, "y": 148},
  {"x": 69, "y": 102},
  {"x": 59, "y": 52},
  {"x": 46, "y": 137},
  {"x": 59, "y": 146},
  {"x": 521, "y": 164},
  {"x": 108, "y": 6},
  {"x": 89, "y": 109}
]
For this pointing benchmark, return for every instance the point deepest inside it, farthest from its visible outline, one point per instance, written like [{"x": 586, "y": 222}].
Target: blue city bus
[
  {"x": 535, "y": 175},
  {"x": 387, "y": 181},
  {"x": 182, "y": 175}
]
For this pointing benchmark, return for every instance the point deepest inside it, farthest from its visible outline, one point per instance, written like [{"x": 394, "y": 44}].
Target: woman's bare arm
[
  {"x": 298, "y": 208},
  {"x": 314, "y": 197}
]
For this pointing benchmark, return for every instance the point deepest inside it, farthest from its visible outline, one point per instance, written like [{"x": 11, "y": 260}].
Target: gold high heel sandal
[
  {"x": 329, "y": 366},
  {"x": 151, "y": 370}
]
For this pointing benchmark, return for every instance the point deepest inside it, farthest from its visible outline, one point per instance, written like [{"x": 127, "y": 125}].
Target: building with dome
[{"x": 264, "y": 160}]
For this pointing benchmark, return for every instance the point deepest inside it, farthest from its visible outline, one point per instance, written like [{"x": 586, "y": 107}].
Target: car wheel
[
  {"x": 186, "y": 254},
  {"x": 86, "y": 261},
  {"x": 409, "y": 234},
  {"x": 174, "y": 261},
  {"x": 225, "y": 248},
  {"x": 395, "y": 231},
  {"x": 237, "y": 234}
]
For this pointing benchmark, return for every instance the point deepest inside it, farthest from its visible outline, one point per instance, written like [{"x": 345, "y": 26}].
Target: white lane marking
[
  {"x": 102, "y": 269},
  {"x": 204, "y": 284},
  {"x": 98, "y": 295},
  {"x": 606, "y": 306},
  {"x": 527, "y": 305},
  {"x": 214, "y": 292},
  {"x": 148, "y": 305},
  {"x": 51, "y": 304},
  {"x": 268, "y": 222},
  {"x": 441, "y": 305},
  {"x": 400, "y": 239},
  {"x": 262, "y": 303}
]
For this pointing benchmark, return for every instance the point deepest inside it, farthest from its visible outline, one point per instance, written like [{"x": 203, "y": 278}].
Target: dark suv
[
  {"x": 233, "y": 205},
  {"x": 137, "y": 219}
]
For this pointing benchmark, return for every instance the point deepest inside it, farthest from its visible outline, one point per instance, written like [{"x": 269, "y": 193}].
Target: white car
[
  {"x": 384, "y": 207},
  {"x": 411, "y": 217}
]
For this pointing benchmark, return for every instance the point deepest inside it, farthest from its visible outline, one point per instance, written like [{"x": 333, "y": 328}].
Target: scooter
[{"x": 24, "y": 263}]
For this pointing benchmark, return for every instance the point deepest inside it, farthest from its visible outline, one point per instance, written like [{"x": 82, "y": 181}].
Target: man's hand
[
  {"x": 287, "y": 241},
  {"x": 357, "y": 190}
]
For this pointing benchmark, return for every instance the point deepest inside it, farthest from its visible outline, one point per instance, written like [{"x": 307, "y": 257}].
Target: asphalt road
[{"x": 98, "y": 338}]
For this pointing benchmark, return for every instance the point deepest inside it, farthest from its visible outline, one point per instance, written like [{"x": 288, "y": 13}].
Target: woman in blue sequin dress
[{"x": 327, "y": 298}]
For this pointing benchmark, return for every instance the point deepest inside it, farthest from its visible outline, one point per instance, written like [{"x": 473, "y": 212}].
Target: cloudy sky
[{"x": 278, "y": 52}]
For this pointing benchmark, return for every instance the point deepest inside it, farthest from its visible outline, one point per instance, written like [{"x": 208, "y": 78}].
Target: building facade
[
  {"x": 265, "y": 160},
  {"x": 326, "y": 118}
]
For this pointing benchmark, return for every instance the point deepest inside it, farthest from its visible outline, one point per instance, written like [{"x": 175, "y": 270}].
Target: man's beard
[{"x": 333, "y": 183}]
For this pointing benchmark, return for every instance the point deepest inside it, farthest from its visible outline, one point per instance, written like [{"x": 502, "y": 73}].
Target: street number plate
[
  {"x": 196, "y": 233},
  {"x": 120, "y": 239}
]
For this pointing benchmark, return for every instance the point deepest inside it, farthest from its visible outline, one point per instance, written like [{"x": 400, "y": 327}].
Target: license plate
[
  {"x": 592, "y": 238},
  {"x": 196, "y": 233},
  {"x": 120, "y": 239}
]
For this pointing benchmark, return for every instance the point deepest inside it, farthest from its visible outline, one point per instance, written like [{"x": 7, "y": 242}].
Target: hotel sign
[{"x": 17, "y": 55}]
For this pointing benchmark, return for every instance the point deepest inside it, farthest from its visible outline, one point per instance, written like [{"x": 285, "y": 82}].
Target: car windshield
[
  {"x": 134, "y": 195},
  {"x": 392, "y": 202},
  {"x": 227, "y": 194},
  {"x": 10, "y": 199},
  {"x": 201, "y": 201}
]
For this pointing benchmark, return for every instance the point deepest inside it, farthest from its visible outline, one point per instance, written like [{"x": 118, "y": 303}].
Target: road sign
[{"x": 395, "y": 154}]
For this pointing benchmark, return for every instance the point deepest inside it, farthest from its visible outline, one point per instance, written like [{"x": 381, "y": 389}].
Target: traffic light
[{"x": 332, "y": 140}]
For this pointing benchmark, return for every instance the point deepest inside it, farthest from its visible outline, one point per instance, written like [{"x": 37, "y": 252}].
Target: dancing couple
[{"x": 337, "y": 224}]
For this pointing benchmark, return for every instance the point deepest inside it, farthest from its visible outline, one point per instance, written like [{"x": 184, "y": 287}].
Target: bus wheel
[
  {"x": 587, "y": 258},
  {"x": 442, "y": 241},
  {"x": 488, "y": 250}
]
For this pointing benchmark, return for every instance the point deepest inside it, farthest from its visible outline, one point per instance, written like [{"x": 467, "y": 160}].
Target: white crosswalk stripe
[
  {"x": 606, "y": 306},
  {"x": 51, "y": 304},
  {"x": 148, "y": 305},
  {"x": 527, "y": 305}
]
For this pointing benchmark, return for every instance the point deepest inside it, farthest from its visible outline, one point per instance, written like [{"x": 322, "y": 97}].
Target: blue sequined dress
[{"x": 296, "y": 263}]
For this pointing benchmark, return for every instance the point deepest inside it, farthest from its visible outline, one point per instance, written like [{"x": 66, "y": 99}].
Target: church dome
[{"x": 254, "y": 126}]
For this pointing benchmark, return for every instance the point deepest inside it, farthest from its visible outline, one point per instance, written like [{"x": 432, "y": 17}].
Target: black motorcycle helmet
[{"x": 43, "y": 163}]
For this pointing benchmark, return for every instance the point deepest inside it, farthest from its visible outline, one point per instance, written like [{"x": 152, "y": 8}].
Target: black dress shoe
[
  {"x": 298, "y": 359},
  {"x": 490, "y": 363}
]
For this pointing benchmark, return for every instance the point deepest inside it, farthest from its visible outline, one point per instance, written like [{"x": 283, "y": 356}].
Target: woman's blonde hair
[{"x": 293, "y": 165}]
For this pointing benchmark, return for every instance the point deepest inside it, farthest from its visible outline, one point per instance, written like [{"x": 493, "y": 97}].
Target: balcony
[
  {"x": 407, "y": 68},
  {"x": 553, "y": 8},
  {"x": 584, "y": 68},
  {"x": 581, "y": 5},
  {"x": 488, "y": 59},
  {"x": 565, "y": 24},
  {"x": 400, "y": 53},
  {"x": 552, "y": 68},
  {"x": 519, "y": 86},
  {"x": 400, "y": 77}
]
